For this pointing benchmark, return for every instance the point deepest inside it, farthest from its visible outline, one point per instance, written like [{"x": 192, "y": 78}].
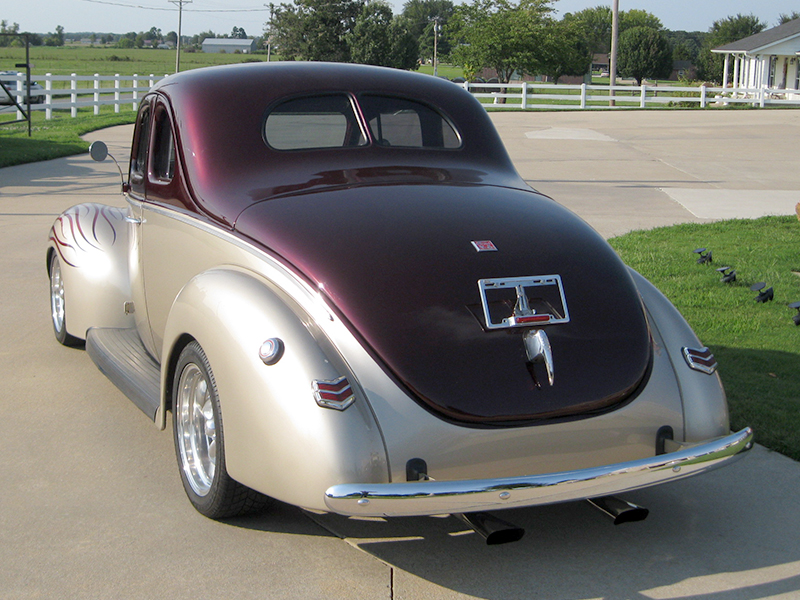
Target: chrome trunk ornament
[{"x": 537, "y": 348}]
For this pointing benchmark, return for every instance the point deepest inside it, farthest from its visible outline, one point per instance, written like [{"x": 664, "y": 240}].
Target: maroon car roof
[{"x": 219, "y": 115}]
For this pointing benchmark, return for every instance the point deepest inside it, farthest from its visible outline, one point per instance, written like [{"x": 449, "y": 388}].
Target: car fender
[
  {"x": 277, "y": 439},
  {"x": 705, "y": 407},
  {"x": 92, "y": 244}
]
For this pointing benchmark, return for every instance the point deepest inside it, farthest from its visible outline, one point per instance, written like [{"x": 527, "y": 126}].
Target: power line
[{"x": 197, "y": 10}]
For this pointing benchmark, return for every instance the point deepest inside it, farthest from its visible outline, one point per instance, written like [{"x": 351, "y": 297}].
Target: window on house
[{"x": 797, "y": 74}]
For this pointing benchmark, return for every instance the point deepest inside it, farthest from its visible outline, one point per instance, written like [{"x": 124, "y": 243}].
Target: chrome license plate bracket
[{"x": 534, "y": 301}]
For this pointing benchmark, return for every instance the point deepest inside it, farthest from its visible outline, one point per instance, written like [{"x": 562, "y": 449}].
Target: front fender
[
  {"x": 277, "y": 439},
  {"x": 92, "y": 244}
]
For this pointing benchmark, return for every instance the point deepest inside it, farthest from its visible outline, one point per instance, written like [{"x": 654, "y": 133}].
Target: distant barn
[{"x": 228, "y": 46}]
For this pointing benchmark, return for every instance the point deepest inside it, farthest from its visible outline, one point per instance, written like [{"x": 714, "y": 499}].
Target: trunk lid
[{"x": 402, "y": 264}]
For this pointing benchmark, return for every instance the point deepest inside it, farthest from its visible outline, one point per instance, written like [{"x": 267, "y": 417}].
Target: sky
[{"x": 219, "y": 16}]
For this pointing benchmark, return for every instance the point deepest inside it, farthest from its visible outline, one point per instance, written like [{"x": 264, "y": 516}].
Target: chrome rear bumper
[{"x": 444, "y": 497}]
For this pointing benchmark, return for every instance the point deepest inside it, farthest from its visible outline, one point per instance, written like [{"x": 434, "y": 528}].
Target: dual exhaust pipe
[{"x": 498, "y": 531}]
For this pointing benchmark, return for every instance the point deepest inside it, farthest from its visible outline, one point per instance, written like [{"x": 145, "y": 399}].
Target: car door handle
[{"x": 134, "y": 220}]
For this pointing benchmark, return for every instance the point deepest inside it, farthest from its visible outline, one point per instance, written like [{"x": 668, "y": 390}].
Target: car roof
[{"x": 219, "y": 115}]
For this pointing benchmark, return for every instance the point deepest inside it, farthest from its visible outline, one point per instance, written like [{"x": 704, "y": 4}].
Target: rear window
[
  {"x": 331, "y": 121},
  {"x": 314, "y": 122},
  {"x": 406, "y": 123}
]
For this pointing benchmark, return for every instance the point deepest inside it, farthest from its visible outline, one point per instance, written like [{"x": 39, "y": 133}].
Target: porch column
[
  {"x": 725, "y": 72},
  {"x": 737, "y": 60}
]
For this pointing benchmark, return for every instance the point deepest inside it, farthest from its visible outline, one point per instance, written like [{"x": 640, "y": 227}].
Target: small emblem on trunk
[{"x": 484, "y": 246}]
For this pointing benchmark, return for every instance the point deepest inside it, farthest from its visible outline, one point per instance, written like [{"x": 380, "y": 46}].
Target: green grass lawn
[
  {"x": 757, "y": 345},
  {"x": 55, "y": 138},
  {"x": 110, "y": 61}
]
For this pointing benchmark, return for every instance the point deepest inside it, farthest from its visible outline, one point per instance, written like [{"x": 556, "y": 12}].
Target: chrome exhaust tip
[
  {"x": 620, "y": 511},
  {"x": 492, "y": 529}
]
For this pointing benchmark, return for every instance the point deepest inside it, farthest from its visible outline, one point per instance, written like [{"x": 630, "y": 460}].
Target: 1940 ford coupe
[{"x": 336, "y": 281}]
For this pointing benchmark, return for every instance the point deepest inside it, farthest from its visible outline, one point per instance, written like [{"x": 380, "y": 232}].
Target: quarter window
[
  {"x": 139, "y": 155},
  {"x": 163, "y": 147}
]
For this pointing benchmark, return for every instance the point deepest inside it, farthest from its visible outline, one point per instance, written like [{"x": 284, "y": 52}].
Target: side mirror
[{"x": 98, "y": 151}]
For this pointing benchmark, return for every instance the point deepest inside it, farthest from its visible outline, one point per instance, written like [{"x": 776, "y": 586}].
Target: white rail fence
[
  {"x": 72, "y": 92},
  {"x": 530, "y": 95}
]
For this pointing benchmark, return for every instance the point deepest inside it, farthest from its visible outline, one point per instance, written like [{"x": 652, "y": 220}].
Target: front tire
[
  {"x": 199, "y": 441},
  {"x": 58, "y": 307}
]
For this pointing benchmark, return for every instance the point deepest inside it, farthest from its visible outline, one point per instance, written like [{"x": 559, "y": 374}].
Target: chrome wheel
[
  {"x": 56, "y": 295},
  {"x": 58, "y": 307},
  {"x": 196, "y": 428},
  {"x": 200, "y": 441}
]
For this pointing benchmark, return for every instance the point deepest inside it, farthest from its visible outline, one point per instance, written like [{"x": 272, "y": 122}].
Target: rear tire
[
  {"x": 200, "y": 441},
  {"x": 58, "y": 308}
]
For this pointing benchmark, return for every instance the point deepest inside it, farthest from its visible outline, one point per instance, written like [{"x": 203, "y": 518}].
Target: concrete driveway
[{"x": 92, "y": 507}]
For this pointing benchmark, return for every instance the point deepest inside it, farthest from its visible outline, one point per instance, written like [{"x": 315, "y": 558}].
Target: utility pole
[
  {"x": 612, "y": 67},
  {"x": 269, "y": 31},
  {"x": 180, "y": 4},
  {"x": 435, "y": 46}
]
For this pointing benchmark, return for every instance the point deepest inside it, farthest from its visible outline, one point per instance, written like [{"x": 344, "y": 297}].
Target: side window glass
[
  {"x": 141, "y": 145},
  {"x": 163, "y": 163}
]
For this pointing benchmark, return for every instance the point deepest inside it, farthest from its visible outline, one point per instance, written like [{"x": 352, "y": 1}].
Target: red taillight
[{"x": 336, "y": 394}]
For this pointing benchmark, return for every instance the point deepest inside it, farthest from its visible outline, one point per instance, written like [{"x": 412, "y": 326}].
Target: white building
[
  {"x": 228, "y": 46},
  {"x": 768, "y": 60}
]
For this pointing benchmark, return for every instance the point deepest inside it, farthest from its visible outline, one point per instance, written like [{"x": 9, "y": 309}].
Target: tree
[
  {"x": 644, "y": 53},
  {"x": 686, "y": 45},
  {"x": 238, "y": 33},
  {"x": 628, "y": 19},
  {"x": 419, "y": 16},
  {"x": 197, "y": 40},
  {"x": 567, "y": 51},
  {"x": 55, "y": 39},
  {"x": 315, "y": 29},
  {"x": 6, "y": 28},
  {"x": 783, "y": 18},
  {"x": 378, "y": 38},
  {"x": 722, "y": 32},
  {"x": 500, "y": 35},
  {"x": 596, "y": 25}
]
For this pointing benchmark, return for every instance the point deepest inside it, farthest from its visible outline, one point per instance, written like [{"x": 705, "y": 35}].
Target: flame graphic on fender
[{"x": 85, "y": 228}]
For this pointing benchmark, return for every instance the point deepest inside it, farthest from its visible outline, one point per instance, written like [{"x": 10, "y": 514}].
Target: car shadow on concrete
[{"x": 730, "y": 534}]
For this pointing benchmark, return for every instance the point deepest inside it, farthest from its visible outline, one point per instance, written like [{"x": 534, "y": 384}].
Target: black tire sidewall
[
  {"x": 62, "y": 336},
  {"x": 207, "y": 504}
]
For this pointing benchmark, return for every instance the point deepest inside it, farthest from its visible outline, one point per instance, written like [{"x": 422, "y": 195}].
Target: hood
[{"x": 402, "y": 265}]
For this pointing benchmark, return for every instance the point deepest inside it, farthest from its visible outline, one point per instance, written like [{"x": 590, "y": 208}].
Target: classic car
[
  {"x": 336, "y": 282},
  {"x": 14, "y": 88}
]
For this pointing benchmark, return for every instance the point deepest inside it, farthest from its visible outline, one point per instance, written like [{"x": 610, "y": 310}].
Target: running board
[{"x": 120, "y": 356}]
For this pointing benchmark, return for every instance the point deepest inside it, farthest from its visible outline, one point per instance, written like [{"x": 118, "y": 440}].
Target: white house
[
  {"x": 228, "y": 46},
  {"x": 768, "y": 60}
]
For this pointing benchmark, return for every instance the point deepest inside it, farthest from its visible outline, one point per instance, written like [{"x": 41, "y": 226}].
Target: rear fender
[
  {"x": 277, "y": 439},
  {"x": 705, "y": 407},
  {"x": 91, "y": 241}
]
